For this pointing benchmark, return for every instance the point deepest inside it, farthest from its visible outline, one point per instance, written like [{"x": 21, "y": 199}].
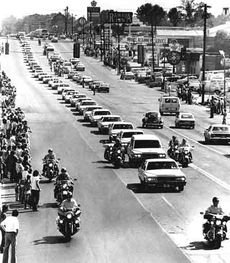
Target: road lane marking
[{"x": 211, "y": 177}]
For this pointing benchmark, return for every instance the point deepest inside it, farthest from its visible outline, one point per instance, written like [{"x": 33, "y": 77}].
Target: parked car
[
  {"x": 127, "y": 75},
  {"x": 142, "y": 147},
  {"x": 52, "y": 83},
  {"x": 104, "y": 122},
  {"x": 184, "y": 119},
  {"x": 152, "y": 119},
  {"x": 75, "y": 97},
  {"x": 80, "y": 100},
  {"x": 217, "y": 133},
  {"x": 163, "y": 173}
]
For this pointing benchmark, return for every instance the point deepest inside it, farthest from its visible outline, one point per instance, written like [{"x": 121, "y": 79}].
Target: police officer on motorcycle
[
  {"x": 172, "y": 144},
  {"x": 213, "y": 209},
  {"x": 62, "y": 177},
  {"x": 69, "y": 204},
  {"x": 50, "y": 157},
  {"x": 183, "y": 144}
]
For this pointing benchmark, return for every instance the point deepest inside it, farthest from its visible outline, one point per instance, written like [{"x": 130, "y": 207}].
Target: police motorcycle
[
  {"x": 108, "y": 151},
  {"x": 185, "y": 156},
  {"x": 118, "y": 157},
  {"x": 215, "y": 229},
  {"x": 173, "y": 152},
  {"x": 61, "y": 190},
  {"x": 51, "y": 171},
  {"x": 69, "y": 223}
]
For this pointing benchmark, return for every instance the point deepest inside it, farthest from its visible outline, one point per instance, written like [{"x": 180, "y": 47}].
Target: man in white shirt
[{"x": 11, "y": 226}]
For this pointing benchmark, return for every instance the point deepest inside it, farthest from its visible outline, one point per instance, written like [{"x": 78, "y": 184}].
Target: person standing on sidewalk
[
  {"x": 11, "y": 228},
  {"x": 2, "y": 218},
  {"x": 35, "y": 190}
]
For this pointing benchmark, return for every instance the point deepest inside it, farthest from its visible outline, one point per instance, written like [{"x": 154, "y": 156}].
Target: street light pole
[
  {"x": 225, "y": 112},
  {"x": 204, "y": 51}
]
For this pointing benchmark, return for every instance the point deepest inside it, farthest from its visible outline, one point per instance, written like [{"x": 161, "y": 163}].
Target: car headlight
[
  {"x": 151, "y": 179},
  {"x": 162, "y": 155},
  {"x": 181, "y": 179},
  {"x": 137, "y": 155},
  {"x": 69, "y": 216}
]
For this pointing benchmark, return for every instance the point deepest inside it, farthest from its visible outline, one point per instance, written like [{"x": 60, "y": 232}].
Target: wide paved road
[{"x": 119, "y": 222}]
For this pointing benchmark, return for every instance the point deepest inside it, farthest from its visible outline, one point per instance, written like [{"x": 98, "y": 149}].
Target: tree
[
  {"x": 151, "y": 15},
  {"x": 222, "y": 40},
  {"x": 175, "y": 16}
]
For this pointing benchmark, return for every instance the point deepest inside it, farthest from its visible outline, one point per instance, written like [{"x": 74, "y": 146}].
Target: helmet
[
  {"x": 174, "y": 137},
  {"x": 215, "y": 199},
  {"x": 69, "y": 194},
  {"x": 50, "y": 150},
  {"x": 63, "y": 170}
]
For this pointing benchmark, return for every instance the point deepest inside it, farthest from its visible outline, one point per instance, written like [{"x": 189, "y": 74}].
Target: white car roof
[{"x": 145, "y": 137}]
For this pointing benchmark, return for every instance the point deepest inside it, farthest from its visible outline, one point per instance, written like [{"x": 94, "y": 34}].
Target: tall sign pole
[{"x": 204, "y": 52}]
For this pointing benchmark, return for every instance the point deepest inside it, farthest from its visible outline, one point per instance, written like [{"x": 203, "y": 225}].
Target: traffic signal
[
  {"x": 183, "y": 53},
  {"x": 76, "y": 50},
  {"x": 7, "y": 49}
]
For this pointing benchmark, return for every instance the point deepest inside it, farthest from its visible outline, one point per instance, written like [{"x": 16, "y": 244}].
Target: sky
[{"x": 21, "y": 8}]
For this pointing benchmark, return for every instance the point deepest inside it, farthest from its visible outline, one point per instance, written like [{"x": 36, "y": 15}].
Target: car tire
[{"x": 180, "y": 188}]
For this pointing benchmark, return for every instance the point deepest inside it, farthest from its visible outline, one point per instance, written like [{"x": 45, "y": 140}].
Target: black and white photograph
[{"x": 115, "y": 131}]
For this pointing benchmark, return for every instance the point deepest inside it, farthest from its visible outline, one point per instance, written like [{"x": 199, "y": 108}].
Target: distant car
[
  {"x": 97, "y": 114},
  {"x": 87, "y": 111},
  {"x": 52, "y": 83},
  {"x": 85, "y": 104},
  {"x": 80, "y": 67},
  {"x": 117, "y": 127},
  {"x": 127, "y": 75},
  {"x": 184, "y": 119},
  {"x": 164, "y": 173},
  {"x": 217, "y": 133},
  {"x": 54, "y": 40},
  {"x": 125, "y": 135},
  {"x": 102, "y": 87},
  {"x": 152, "y": 119},
  {"x": 75, "y": 97},
  {"x": 61, "y": 86},
  {"x": 104, "y": 122}
]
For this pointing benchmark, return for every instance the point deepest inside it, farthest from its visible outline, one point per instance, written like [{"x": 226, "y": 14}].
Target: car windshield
[
  {"x": 130, "y": 134},
  {"x": 186, "y": 116},
  {"x": 89, "y": 103},
  {"x": 152, "y": 115},
  {"x": 147, "y": 144},
  {"x": 122, "y": 126},
  {"x": 222, "y": 129},
  {"x": 161, "y": 165},
  {"x": 111, "y": 119},
  {"x": 102, "y": 113}
]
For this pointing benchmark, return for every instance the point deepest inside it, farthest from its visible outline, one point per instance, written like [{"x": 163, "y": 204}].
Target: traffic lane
[{"x": 107, "y": 217}]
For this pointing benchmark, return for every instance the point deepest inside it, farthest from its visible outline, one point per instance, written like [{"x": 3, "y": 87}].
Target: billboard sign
[
  {"x": 93, "y": 14},
  {"x": 120, "y": 17}
]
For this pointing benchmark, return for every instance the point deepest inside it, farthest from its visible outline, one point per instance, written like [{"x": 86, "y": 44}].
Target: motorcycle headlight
[
  {"x": 64, "y": 192},
  {"x": 218, "y": 222},
  {"x": 118, "y": 151},
  {"x": 50, "y": 165},
  {"x": 64, "y": 186},
  {"x": 186, "y": 151},
  {"x": 212, "y": 223},
  {"x": 77, "y": 221},
  {"x": 61, "y": 221},
  {"x": 69, "y": 216}
]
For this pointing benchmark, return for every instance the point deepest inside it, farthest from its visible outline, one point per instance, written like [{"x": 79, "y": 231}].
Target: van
[{"x": 169, "y": 104}]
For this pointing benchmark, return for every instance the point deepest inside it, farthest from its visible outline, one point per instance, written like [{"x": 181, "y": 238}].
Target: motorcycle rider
[
  {"x": 68, "y": 204},
  {"x": 50, "y": 157},
  {"x": 63, "y": 176},
  {"x": 183, "y": 144},
  {"x": 213, "y": 209},
  {"x": 117, "y": 146},
  {"x": 172, "y": 144}
]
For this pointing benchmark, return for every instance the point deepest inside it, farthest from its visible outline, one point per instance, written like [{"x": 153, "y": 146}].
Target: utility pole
[
  {"x": 204, "y": 51},
  {"x": 66, "y": 20}
]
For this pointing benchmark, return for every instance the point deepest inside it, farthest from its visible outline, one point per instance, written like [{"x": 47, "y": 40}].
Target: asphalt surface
[{"x": 120, "y": 223}]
